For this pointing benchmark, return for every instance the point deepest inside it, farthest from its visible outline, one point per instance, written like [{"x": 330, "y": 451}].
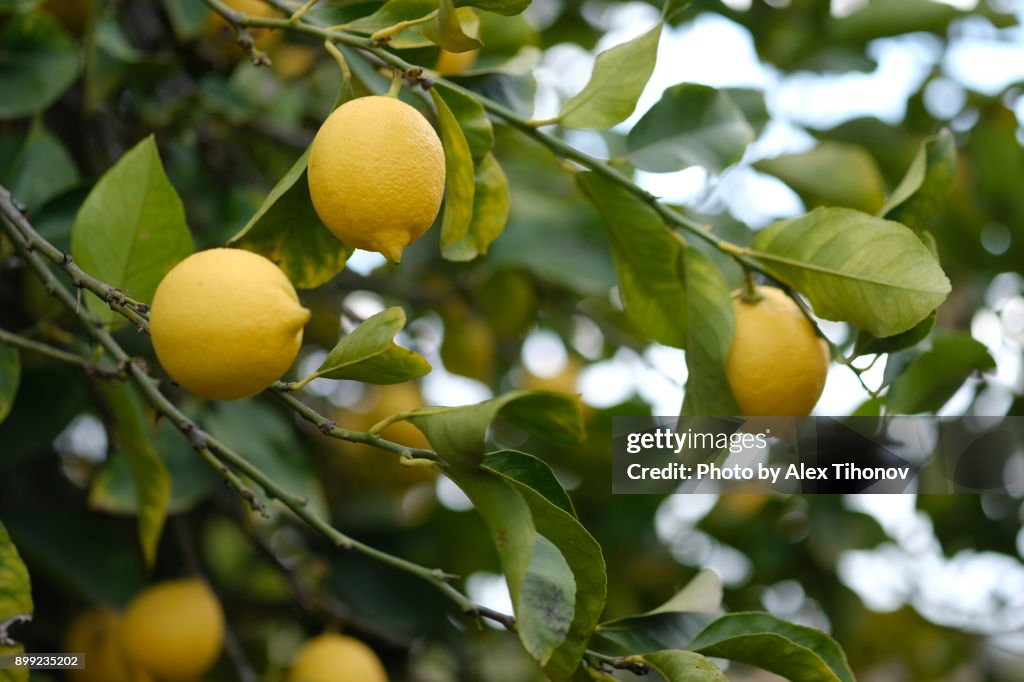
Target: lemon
[
  {"x": 94, "y": 633},
  {"x": 376, "y": 174},
  {"x": 777, "y": 364},
  {"x": 226, "y": 323},
  {"x": 454, "y": 63},
  {"x": 335, "y": 658},
  {"x": 173, "y": 630}
]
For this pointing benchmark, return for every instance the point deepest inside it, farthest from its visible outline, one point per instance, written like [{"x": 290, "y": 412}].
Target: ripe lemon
[
  {"x": 173, "y": 630},
  {"x": 226, "y": 323},
  {"x": 777, "y": 364},
  {"x": 335, "y": 658},
  {"x": 376, "y": 174},
  {"x": 94, "y": 633}
]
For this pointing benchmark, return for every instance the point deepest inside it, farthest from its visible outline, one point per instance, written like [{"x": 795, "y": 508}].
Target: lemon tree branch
[
  {"x": 83, "y": 363},
  {"x": 28, "y": 242}
]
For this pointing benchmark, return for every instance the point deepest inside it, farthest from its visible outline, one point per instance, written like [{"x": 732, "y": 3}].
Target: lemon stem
[
  {"x": 396, "y": 85},
  {"x": 301, "y": 12},
  {"x": 386, "y": 34},
  {"x": 750, "y": 292},
  {"x": 332, "y": 49}
]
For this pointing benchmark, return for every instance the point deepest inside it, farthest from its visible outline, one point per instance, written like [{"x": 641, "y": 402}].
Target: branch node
[{"x": 327, "y": 427}]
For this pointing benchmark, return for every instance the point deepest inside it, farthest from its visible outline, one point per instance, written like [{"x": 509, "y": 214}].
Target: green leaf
[
  {"x": 113, "y": 489},
  {"x": 671, "y": 625},
  {"x": 369, "y": 354},
  {"x": 691, "y": 125},
  {"x": 187, "y": 17},
  {"x": 38, "y": 62},
  {"x": 531, "y": 472},
  {"x": 513, "y": 508},
  {"x": 391, "y": 13},
  {"x": 683, "y": 666},
  {"x": 287, "y": 230},
  {"x": 10, "y": 376},
  {"x": 152, "y": 480},
  {"x": 446, "y": 29},
  {"x": 708, "y": 344},
  {"x": 672, "y": 8},
  {"x": 15, "y": 591},
  {"x": 923, "y": 190},
  {"x": 459, "y": 176},
  {"x": 751, "y": 103},
  {"x": 793, "y": 651},
  {"x": 36, "y": 168},
  {"x": 934, "y": 376},
  {"x": 459, "y": 434},
  {"x": 856, "y": 268},
  {"x": 15, "y": 603},
  {"x": 18, "y": 6},
  {"x": 505, "y": 7},
  {"x": 831, "y": 174},
  {"x": 472, "y": 118},
  {"x": 649, "y": 259},
  {"x": 619, "y": 77},
  {"x": 131, "y": 229},
  {"x": 546, "y": 601},
  {"x": 869, "y": 345},
  {"x": 490, "y": 212}
]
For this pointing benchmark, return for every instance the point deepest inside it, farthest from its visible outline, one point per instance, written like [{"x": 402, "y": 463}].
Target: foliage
[{"x": 130, "y": 140}]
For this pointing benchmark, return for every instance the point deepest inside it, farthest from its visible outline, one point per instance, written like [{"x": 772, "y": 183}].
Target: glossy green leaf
[
  {"x": 368, "y": 353},
  {"x": 38, "y": 62},
  {"x": 516, "y": 501},
  {"x": 649, "y": 259},
  {"x": 923, "y": 191},
  {"x": 35, "y": 167},
  {"x": 459, "y": 434},
  {"x": 152, "y": 480},
  {"x": 287, "y": 230},
  {"x": 683, "y": 666},
  {"x": 546, "y": 601},
  {"x": 10, "y": 376},
  {"x": 531, "y": 472},
  {"x": 751, "y": 103},
  {"x": 619, "y": 77},
  {"x": 447, "y": 30},
  {"x": 868, "y": 345},
  {"x": 707, "y": 344},
  {"x": 391, "y": 13},
  {"x": 934, "y": 376},
  {"x": 459, "y": 176},
  {"x": 873, "y": 273},
  {"x": 794, "y": 651},
  {"x": 131, "y": 229},
  {"x": 490, "y": 212},
  {"x": 473, "y": 120},
  {"x": 505, "y": 7},
  {"x": 831, "y": 174},
  {"x": 113, "y": 488},
  {"x": 703, "y": 594},
  {"x": 691, "y": 125}
]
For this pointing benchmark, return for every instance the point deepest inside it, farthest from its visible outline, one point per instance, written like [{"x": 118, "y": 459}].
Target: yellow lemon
[
  {"x": 226, "y": 323},
  {"x": 454, "y": 63},
  {"x": 376, "y": 174},
  {"x": 335, "y": 658},
  {"x": 777, "y": 364},
  {"x": 173, "y": 630},
  {"x": 94, "y": 633}
]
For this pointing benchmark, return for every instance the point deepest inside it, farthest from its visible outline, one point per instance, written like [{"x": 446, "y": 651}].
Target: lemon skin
[
  {"x": 94, "y": 633},
  {"x": 226, "y": 323},
  {"x": 777, "y": 364},
  {"x": 335, "y": 658},
  {"x": 376, "y": 174},
  {"x": 172, "y": 631}
]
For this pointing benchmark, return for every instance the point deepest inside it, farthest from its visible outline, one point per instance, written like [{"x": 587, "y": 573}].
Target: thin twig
[{"x": 83, "y": 363}]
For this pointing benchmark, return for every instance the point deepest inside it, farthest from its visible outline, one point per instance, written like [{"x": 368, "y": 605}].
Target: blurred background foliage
[{"x": 928, "y": 588}]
